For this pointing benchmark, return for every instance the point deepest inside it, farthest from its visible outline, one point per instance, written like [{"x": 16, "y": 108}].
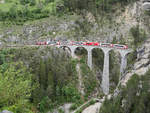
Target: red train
[{"x": 119, "y": 46}]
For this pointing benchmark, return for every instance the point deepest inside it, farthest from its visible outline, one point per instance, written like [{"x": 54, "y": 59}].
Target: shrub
[
  {"x": 31, "y": 2},
  {"x": 13, "y": 12},
  {"x": 45, "y": 104},
  {"x": 138, "y": 34},
  {"x": 48, "y": 1},
  {"x": 89, "y": 79},
  {"x": 70, "y": 93}
]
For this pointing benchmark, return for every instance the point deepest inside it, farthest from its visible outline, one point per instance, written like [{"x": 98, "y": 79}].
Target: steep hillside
[
  {"x": 132, "y": 94},
  {"x": 48, "y": 80},
  {"x": 105, "y": 27}
]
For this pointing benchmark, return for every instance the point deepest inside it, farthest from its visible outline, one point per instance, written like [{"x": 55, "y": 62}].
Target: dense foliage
[
  {"x": 89, "y": 79},
  {"x": 114, "y": 67},
  {"x": 132, "y": 99},
  {"x": 15, "y": 87},
  {"x": 50, "y": 75},
  {"x": 19, "y": 11},
  {"x": 51, "y": 79}
]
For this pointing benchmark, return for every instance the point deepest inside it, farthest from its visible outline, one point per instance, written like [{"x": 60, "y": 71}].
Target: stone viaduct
[{"x": 106, "y": 50}]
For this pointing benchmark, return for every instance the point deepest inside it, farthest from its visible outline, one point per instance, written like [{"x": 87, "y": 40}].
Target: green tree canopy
[{"x": 15, "y": 85}]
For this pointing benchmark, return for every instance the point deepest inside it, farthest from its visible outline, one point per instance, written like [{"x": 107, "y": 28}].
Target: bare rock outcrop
[
  {"x": 93, "y": 108},
  {"x": 142, "y": 64}
]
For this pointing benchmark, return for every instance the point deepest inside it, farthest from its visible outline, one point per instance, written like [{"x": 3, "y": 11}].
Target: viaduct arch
[{"x": 106, "y": 50}]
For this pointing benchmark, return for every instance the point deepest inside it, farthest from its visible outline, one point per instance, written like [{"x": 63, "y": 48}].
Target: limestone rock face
[
  {"x": 142, "y": 64},
  {"x": 64, "y": 108}
]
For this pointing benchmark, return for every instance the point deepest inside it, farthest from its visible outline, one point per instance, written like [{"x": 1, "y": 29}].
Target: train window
[
  {"x": 119, "y": 45},
  {"x": 105, "y": 44}
]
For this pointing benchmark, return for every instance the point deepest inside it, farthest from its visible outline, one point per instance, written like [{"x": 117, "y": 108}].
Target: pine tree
[{"x": 42, "y": 74}]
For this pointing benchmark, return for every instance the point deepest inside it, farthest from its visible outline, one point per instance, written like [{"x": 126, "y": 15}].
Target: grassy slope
[{"x": 9, "y": 3}]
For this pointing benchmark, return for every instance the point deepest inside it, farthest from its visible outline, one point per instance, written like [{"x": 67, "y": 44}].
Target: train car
[
  {"x": 41, "y": 43},
  {"x": 120, "y": 46},
  {"x": 58, "y": 43},
  {"x": 88, "y": 43},
  {"x": 106, "y": 45},
  {"x": 91, "y": 43},
  {"x": 53, "y": 43},
  {"x": 76, "y": 43},
  {"x": 96, "y": 44},
  {"x": 63, "y": 43}
]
